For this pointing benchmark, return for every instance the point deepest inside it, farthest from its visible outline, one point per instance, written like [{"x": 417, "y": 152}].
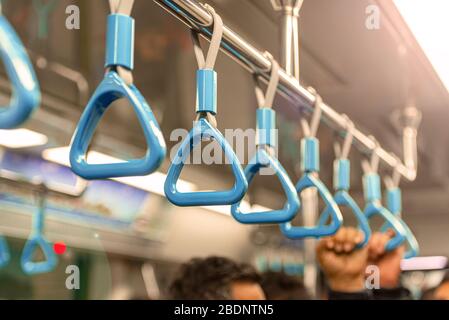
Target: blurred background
[{"x": 125, "y": 237}]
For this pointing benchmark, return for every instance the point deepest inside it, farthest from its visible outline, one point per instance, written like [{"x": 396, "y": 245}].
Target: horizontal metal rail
[{"x": 193, "y": 14}]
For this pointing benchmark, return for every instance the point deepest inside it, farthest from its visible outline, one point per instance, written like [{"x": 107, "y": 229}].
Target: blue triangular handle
[
  {"x": 394, "y": 205},
  {"x": 110, "y": 89},
  {"x": 36, "y": 240},
  {"x": 310, "y": 181},
  {"x": 26, "y": 95},
  {"x": 264, "y": 160},
  {"x": 28, "y": 265},
  {"x": 5, "y": 255},
  {"x": 375, "y": 208},
  {"x": 342, "y": 183},
  {"x": 413, "y": 245},
  {"x": 204, "y": 130},
  {"x": 343, "y": 198}
]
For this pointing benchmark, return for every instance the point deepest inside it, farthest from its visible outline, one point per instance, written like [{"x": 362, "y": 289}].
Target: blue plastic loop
[
  {"x": 206, "y": 91},
  {"x": 413, "y": 245},
  {"x": 264, "y": 160},
  {"x": 5, "y": 255},
  {"x": 342, "y": 169},
  {"x": 110, "y": 89},
  {"x": 204, "y": 130},
  {"x": 36, "y": 240},
  {"x": 310, "y": 181},
  {"x": 266, "y": 127},
  {"x": 374, "y": 207},
  {"x": 344, "y": 199},
  {"x": 342, "y": 174},
  {"x": 410, "y": 239},
  {"x": 394, "y": 204},
  {"x": 26, "y": 95},
  {"x": 371, "y": 185},
  {"x": 120, "y": 41},
  {"x": 310, "y": 155}
]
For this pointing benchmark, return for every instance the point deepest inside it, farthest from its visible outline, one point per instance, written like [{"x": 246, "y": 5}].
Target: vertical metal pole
[
  {"x": 309, "y": 198},
  {"x": 290, "y": 61},
  {"x": 290, "y": 35}
]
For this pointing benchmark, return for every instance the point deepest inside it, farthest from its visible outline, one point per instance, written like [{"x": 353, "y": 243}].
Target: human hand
[
  {"x": 341, "y": 261},
  {"x": 388, "y": 262}
]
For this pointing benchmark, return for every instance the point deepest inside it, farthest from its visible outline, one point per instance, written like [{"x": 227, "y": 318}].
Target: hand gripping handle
[{"x": 371, "y": 184}]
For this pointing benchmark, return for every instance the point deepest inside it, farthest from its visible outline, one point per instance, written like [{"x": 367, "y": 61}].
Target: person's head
[
  {"x": 216, "y": 278},
  {"x": 281, "y": 286}
]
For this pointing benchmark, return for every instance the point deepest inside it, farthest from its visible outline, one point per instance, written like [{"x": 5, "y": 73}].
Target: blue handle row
[
  {"x": 203, "y": 130},
  {"x": 110, "y": 89},
  {"x": 36, "y": 240},
  {"x": 394, "y": 204},
  {"x": 5, "y": 255},
  {"x": 264, "y": 160},
  {"x": 26, "y": 95},
  {"x": 371, "y": 183}
]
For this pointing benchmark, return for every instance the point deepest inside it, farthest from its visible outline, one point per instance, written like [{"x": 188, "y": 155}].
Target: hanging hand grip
[
  {"x": 263, "y": 160},
  {"x": 119, "y": 57},
  {"x": 25, "y": 88},
  {"x": 310, "y": 181},
  {"x": 310, "y": 165},
  {"x": 5, "y": 255},
  {"x": 36, "y": 240},
  {"x": 394, "y": 204},
  {"x": 371, "y": 184},
  {"x": 204, "y": 130},
  {"x": 266, "y": 138},
  {"x": 206, "y": 108},
  {"x": 110, "y": 89},
  {"x": 343, "y": 198}
]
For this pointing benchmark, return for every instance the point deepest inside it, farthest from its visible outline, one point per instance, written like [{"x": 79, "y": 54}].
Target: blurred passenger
[
  {"x": 441, "y": 292},
  {"x": 216, "y": 278},
  {"x": 281, "y": 286},
  {"x": 344, "y": 266}
]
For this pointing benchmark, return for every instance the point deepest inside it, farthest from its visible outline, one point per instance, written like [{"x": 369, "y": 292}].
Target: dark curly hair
[
  {"x": 210, "y": 279},
  {"x": 281, "y": 286}
]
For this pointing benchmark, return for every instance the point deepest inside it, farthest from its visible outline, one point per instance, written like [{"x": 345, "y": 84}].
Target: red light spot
[{"x": 59, "y": 247}]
